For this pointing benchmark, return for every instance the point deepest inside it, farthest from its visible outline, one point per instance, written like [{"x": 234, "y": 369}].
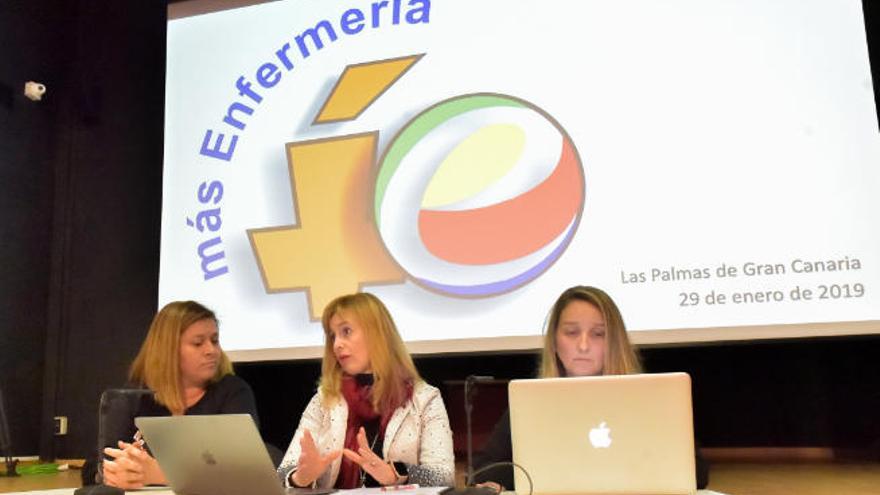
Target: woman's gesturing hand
[{"x": 311, "y": 463}]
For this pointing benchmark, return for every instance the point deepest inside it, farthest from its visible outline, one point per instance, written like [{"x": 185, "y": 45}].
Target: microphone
[
  {"x": 5, "y": 443},
  {"x": 469, "y": 391}
]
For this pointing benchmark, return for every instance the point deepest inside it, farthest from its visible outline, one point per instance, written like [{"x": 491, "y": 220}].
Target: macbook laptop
[
  {"x": 604, "y": 434},
  {"x": 213, "y": 455}
]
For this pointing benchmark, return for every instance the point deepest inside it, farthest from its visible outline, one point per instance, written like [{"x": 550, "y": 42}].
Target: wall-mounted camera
[{"x": 34, "y": 90}]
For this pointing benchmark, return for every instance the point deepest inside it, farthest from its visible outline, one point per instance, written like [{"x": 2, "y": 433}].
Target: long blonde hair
[
  {"x": 392, "y": 367},
  {"x": 620, "y": 356},
  {"x": 157, "y": 364}
]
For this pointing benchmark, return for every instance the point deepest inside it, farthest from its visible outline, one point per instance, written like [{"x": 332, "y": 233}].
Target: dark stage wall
[
  {"x": 80, "y": 197},
  {"x": 81, "y": 180},
  {"x": 27, "y": 142}
]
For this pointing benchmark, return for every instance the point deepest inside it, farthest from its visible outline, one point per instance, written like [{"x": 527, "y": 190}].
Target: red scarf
[{"x": 357, "y": 391}]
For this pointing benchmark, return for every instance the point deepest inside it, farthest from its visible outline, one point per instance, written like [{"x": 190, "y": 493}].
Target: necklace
[{"x": 363, "y": 479}]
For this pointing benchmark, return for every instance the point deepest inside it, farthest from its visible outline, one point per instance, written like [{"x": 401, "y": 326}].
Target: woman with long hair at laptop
[
  {"x": 373, "y": 421},
  {"x": 182, "y": 363},
  {"x": 585, "y": 336}
]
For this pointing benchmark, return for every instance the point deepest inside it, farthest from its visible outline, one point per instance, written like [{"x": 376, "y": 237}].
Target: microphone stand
[
  {"x": 469, "y": 392},
  {"x": 10, "y": 466},
  {"x": 468, "y": 408},
  {"x": 5, "y": 443}
]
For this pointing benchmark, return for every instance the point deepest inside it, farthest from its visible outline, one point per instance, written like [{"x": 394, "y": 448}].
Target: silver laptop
[
  {"x": 604, "y": 434},
  {"x": 212, "y": 455}
]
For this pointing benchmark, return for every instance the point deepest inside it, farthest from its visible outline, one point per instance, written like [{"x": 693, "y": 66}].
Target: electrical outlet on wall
[{"x": 61, "y": 425}]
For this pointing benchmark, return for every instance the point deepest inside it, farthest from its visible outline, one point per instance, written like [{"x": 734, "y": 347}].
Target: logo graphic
[
  {"x": 600, "y": 436},
  {"x": 475, "y": 196},
  {"x": 209, "y": 458},
  {"x": 478, "y": 195}
]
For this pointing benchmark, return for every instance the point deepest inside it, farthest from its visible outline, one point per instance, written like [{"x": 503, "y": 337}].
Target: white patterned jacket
[{"x": 417, "y": 435}]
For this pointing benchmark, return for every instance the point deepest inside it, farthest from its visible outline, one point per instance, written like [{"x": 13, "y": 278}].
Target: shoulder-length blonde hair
[
  {"x": 392, "y": 367},
  {"x": 157, "y": 364},
  {"x": 621, "y": 357}
]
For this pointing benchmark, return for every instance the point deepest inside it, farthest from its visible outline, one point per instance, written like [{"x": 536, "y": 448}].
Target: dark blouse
[
  {"x": 230, "y": 395},
  {"x": 499, "y": 449}
]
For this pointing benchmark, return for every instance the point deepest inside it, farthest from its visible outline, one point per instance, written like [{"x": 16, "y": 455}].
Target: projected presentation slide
[{"x": 712, "y": 165}]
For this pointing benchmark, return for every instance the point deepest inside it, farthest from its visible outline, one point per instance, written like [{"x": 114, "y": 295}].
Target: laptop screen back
[
  {"x": 605, "y": 434},
  {"x": 211, "y": 455}
]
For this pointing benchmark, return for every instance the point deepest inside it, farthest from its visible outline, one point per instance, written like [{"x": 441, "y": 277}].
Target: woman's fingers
[
  {"x": 114, "y": 453},
  {"x": 138, "y": 454},
  {"x": 121, "y": 460},
  {"x": 123, "y": 473},
  {"x": 332, "y": 456},
  {"x": 495, "y": 487},
  {"x": 308, "y": 443},
  {"x": 362, "y": 438},
  {"x": 311, "y": 463},
  {"x": 353, "y": 456},
  {"x": 380, "y": 470}
]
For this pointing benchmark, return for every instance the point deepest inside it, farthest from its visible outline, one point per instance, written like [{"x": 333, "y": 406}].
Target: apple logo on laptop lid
[
  {"x": 209, "y": 459},
  {"x": 600, "y": 437}
]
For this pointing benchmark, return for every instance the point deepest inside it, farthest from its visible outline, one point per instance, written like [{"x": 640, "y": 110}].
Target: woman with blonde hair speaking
[
  {"x": 182, "y": 363},
  {"x": 373, "y": 421}
]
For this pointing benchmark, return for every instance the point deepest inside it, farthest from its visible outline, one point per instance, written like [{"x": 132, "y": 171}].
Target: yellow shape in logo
[
  {"x": 360, "y": 85},
  {"x": 335, "y": 248}
]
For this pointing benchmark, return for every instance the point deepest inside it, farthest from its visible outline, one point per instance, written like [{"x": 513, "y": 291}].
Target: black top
[
  {"x": 230, "y": 395},
  {"x": 499, "y": 449}
]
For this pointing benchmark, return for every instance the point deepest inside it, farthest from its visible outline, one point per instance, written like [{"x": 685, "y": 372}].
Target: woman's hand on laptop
[
  {"x": 131, "y": 467},
  {"x": 311, "y": 463}
]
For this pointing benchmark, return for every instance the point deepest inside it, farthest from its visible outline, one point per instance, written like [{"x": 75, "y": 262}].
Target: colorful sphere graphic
[{"x": 478, "y": 195}]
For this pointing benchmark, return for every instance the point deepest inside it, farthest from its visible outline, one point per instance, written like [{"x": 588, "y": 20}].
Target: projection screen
[{"x": 713, "y": 165}]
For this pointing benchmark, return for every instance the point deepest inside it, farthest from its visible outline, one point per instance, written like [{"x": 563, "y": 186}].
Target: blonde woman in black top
[
  {"x": 182, "y": 363},
  {"x": 585, "y": 336}
]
